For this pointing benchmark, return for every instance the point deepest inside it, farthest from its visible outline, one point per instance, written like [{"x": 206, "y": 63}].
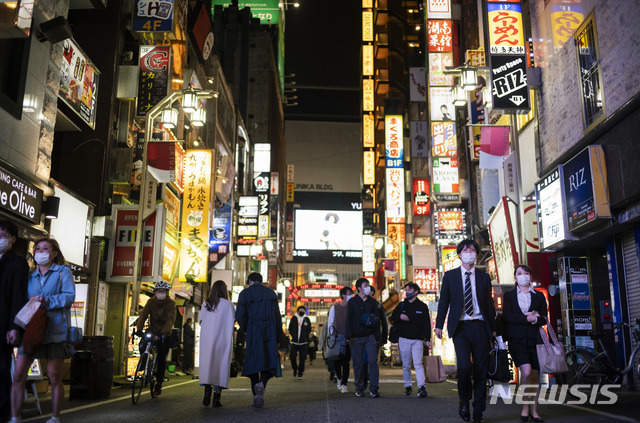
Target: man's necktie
[{"x": 468, "y": 296}]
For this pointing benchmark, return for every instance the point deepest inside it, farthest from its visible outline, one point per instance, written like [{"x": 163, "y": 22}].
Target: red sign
[
  {"x": 154, "y": 80},
  {"x": 440, "y": 36},
  {"x": 124, "y": 250},
  {"x": 427, "y": 279},
  {"x": 421, "y": 197}
]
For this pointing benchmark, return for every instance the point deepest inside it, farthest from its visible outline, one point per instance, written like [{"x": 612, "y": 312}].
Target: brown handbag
[
  {"x": 35, "y": 330},
  {"x": 551, "y": 354}
]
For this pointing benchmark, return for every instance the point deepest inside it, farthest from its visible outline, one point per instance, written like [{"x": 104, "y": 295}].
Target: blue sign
[
  {"x": 153, "y": 16},
  {"x": 578, "y": 188},
  {"x": 220, "y": 234},
  {"x": 580, "y": 296}
]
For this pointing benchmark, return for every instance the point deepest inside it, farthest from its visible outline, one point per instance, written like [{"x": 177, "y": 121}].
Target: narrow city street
[{"x": 316, "y": 399}]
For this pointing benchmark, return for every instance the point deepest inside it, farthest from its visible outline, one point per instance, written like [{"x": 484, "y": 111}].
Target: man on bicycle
[{"x": 161, "y": 311}]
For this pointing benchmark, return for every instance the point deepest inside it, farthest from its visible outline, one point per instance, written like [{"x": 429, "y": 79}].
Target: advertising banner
[
  {"x": 78, "y": 82},
  {"x": 394, "y": 142},
  {"x": 505, "y": 246},
  {"x": 445, "y": 175},
  {"x": 155, "y": 75},
  {"x": 509, "y": 83},
  {"x": 201, "y": 31},
  {"x": 440, "y": 35},
  {"x": 441, "y": 106},
  {"x": 450, "y": 259},
  {"x": 367, "y": 60},
  {"x": 438, "y": 63},
  {"x": 421, "y": 197},
  {"x": 417, "y": 84},
  {"x": 194, "y": 251},
  {"x": 220, "y": 234},
  {"x": 247, "y": 223},
  {"x": 367, "y": 95},
  {"x": 153, "y": 16},
  {"x": 419, "y": 145},
  {"x": 552, "y": 227},
  {"x": 450, "y": 224},
  {"x": 369, "y": 167},
  {"x": 427, "y": 279},
  {"x": 565, "y": 19},
  {"x": 267, "y": 11},
  {"x": 494, "y": 146},
  {"x": 445, "y": 141},
  {"x": 506, "y": 34},
  {"x": 368, "y": 131},
  {"x": 19, "y": 197},
  {"x": 395, "y": 195}
]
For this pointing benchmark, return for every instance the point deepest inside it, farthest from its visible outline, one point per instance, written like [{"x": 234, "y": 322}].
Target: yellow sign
[
  {"x": 565, "y": 19},
  {"x": 170, "y": 259},
  {"x": 367, "y": 25},
  {"x": 506, "y": 34},
  {"x": 194, "y": 246},
  {"x": 368, "y": 131},
  {"x": 367, "y": 60},
  {"x": 367, "y": 4},
  {"x": 289, "y": 193},
  {"x": 369, "y": 167},
  {"x": 367, "y": 95}
]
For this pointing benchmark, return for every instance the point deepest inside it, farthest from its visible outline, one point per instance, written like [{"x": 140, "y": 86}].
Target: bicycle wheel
[
  {"x": 139, "y": 379},
  {"x": 582, "y": 368},
  {"x": 151, "y": 375}
]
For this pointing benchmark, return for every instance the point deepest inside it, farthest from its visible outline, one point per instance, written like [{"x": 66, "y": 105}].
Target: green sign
[{"x": 267, "y": 10}]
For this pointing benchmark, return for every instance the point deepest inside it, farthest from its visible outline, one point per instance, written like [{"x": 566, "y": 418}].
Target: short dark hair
[
  {"x": 189, "y": 320},
  {"x": 413, "y": 286},
  {"x": 360, "y": 281},
  {"x": 468, "y": 243},
  {"x": 254, "y": 277},
  {"x": 523, "y": 267},
  {"x": 301, "y": 307},
  {"x": 344, "y": 290},
  {"x": 10, "y": 227}
]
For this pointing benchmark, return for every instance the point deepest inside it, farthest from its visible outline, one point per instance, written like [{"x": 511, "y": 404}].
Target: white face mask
[
  {"x": 366, "y": 291},
  {"x": 349, "y": 297},
  {"x": 468, "y": 258},
  {"x": 161, "y": 296},
  {"x": 5, "y": 244},
  {"x": 41, "y": 258},
  {"x": 523, "y": 280}
]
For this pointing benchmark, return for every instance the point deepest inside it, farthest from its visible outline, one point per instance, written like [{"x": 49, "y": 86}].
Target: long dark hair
[
  {"x": 59, "y": 258},
  {"x": 218, "y": 290}
]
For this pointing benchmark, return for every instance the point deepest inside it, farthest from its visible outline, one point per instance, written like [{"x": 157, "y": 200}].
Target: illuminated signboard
[
  {"x": 367, "y": 25},
  {"x": 440, "y": 36},
  {"x": 320, "y": 293},
  {"x": 267, "y": 11},
  {"x": 506, "y": 251},
  {"x": 78, "y": 82},
  {"x": 369, "y": 167},
  {"x": 421, "y": 198},
  {"x": 368, "y": 254},
  {"x": 154, "y": 77},
  {"x": 368, "y": 131},
  {"x": 395, "y": 195},
  {"x": 445, "y": 175},
  {"x": 450, "y": 259},
  {"x": 552, "y": 226},
  {"x": 427, "y": 279},
  {"x": 367, "y": 95},
  {"x": 506, "y": 34},
  {"x": 438, "y": 9},
  {"x": 441, "y": 103},
  {"x": 445, "y": 141},
  {"x": 394, "y": 146},
  {"x": 438, "y": 63},
  {"x": 565, "y": 19},
  {"x": 450, "y": 224},
  {"x": 367, "y": 60},
  {"x": 153, "y": 16},
  {"x": 194, "y": 248}
]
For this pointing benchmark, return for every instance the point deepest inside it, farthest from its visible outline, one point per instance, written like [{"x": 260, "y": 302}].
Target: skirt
[
  {"x": 523, "y": 351},
  {"x": 53, "y": 350}
]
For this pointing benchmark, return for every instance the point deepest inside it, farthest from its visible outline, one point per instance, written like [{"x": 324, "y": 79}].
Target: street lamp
[
  {"x": 286, "y": 3},
  {"x": 459, "y": 96}
]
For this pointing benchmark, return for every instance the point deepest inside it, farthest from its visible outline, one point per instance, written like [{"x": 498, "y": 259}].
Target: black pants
[
  {"x": 187, "y": 357},
  {"x": 302, "y": 351},
  {"x": 259, "y": 377},
  {"x": 312, "y": 355},
  {"x": 342, "y": 366},
  {"x": 161, "y": 360},
  {"x": 5, "y": 381},
  {"x": 471, "y": 340}
]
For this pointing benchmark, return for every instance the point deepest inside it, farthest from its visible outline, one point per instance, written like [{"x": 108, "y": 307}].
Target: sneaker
[
  {"x": 344, "y": 389},
  {"x": 359, "y": 393},
  {"x": 422, "y": 392},
  {"x": 282, "y": 366},
  {"x": 258, "y": 398},
  {"x": 374, "y": 394},
  {"x": 339, "y": 384},
  {"x": 53, "y": 420},
  {"x": 299, "y": 377},
  {"x": 407, "y": 391},
  {"x": 15, "y": 420}
]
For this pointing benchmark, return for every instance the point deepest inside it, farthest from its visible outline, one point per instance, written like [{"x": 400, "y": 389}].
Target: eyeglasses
[{"x": 3, "y": 236}]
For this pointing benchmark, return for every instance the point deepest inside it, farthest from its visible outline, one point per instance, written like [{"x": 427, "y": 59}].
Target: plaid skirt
[{"x": 49, "y": 351}]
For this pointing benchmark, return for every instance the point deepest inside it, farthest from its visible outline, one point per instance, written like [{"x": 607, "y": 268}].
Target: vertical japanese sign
[
  {"x": 445, "y": 178},
  {"x": 394, "y": 148},
  {"x": 440, "y": 35},
  {"x": 421, "y": 198},
  {"x": 450, "y": 259},
  {"x": 478, "y": 115},
  {"x": 427, "y": 279},
  {"x": 367, "y": 60},
  {"x": 220, "y": 236},
  {"x": 367, "y": 25},
  {"x": 506, "y": 34},
  {"x": 154, "y": 78},
  {"x": 194, "y": 248},
  {"x": 445, "y": 142},
  {"x": 368, "y": 131},
  {"x": 395, "y": 195},
  {"x": 417, "y": 84},
  {"x": 367, "y": 95},
  {"x": 565, "y": 19},
  {"x": 419, "y": 145},
  {"x": 369, "y": 167}
]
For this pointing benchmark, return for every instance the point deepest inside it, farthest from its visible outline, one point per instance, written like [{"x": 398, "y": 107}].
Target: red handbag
[{"x": 35, "y": 330}]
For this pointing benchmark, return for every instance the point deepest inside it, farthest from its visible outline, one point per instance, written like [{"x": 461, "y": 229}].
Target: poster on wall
[
  {"x": 417, "y": 84},
  {"x": 502, "y": 230},
  {"x": 438, "y": 63},
  {"x": 441, "y": 103},
  {"x": 78, "y": 82},
  {"x": 445, "y": 141}
]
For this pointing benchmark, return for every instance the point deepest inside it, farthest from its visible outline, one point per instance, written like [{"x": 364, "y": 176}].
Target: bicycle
[
  {"x": 145, "y": 374},
  {"x": 586, "y": 367}
]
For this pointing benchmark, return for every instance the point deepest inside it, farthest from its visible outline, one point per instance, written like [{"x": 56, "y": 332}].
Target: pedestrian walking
[
  {"x": 337, "y": 324},
  {"x": 51, "y": 282},
  {"x": 524, "y": 310},
  {"x": 216, "y": 343},
  {"x": 300, "y": 330},
  {"x": 161, "y": 312},
  {"x": 414, "y": 331},
  {"x": 258, "y": 315},
  {"x": 466, "y": 295},
  {"x": 381, "y": 333},
  {"x": 313, "y": 347},
  {"x": 188, "y": 344},
  {"x": 364, "y": 317},
  {"x": 14, "y": 281}
]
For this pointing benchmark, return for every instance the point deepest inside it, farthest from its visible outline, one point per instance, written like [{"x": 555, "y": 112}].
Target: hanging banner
[
  {"x": 194, "y": 247},
  {"x": 445, "y": 141},
  {"x": 440, "y": 35},
  {"x": 438, "y": 63},
  {"x": 368, "y": 254},
  {"x": 505, "y": 247},
  {"x": 419, "y": 145},
  {"x": 441, "y": 103},
  {"x": 427, "y": 279},
  {"x": 417, "y": 84},
  {"x": 421, "y": 198},
  {"x": 161, "y": 161},
  {"x": 565, "y": 19},
  {"x": 179, "y": 182},
  {"x": 155, "y": 75},
  {"x": 494, "y": 146}
]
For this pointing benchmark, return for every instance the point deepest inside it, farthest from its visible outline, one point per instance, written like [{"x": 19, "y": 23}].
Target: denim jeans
[{"x": 358, "y": 348}]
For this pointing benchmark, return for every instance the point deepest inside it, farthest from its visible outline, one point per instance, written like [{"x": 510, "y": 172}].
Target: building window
[
  {"x": 14, "y": 58},
  {"x": 590, "y": 73}
]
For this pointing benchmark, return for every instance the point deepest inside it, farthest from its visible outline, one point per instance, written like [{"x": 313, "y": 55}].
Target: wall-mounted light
[
  {"x": 169, "y": 118},
  {"x": 469, "y": 78},
  {"x": 54, "y": 30},
  {"x": 189, "y": 101},
  {"x": 51, "y": 207},
  {"x": 199, "y": 118},
  {"x": 459, "y": 96}
]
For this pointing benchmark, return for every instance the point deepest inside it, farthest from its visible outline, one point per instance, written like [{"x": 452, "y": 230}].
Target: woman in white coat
[{"x": 217, "y": 318}]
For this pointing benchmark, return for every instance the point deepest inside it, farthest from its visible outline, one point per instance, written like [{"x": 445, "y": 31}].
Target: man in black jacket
[
  {"x": 414, "y": 326},
  {"x": 300, "y": 329},
  {"x": 14, "y": 277},
  {"x": 188, "y": 344},
  {"x": 364, "y": 317}
]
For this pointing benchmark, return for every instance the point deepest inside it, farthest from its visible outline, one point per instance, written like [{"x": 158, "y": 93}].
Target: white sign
[
  {"x": 395, "y": 195},
  {"x": 551, "y": 225},
  {"x": 582, "y": 323},
  {"x": 531, "y": 227},
  {"x": 368, "y": 254},
  {"x": 417, "y": 84},
  {"x": 275, "y": 184},
  {"x": 72, "y": 228},
  {"x": 510, "y": 168},
  {"x": 438, "y": 9},
  {"x": 322, "y": 293},
  {"x": 505, "y": 250}
]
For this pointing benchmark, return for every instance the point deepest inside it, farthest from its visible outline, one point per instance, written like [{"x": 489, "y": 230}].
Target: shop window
[
  {"x": 14, "y": 57},
  {"x": 590, "y": 73}
]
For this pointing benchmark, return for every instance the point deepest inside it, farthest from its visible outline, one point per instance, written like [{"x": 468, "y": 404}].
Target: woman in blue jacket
[{"x": 52, "y": 282}]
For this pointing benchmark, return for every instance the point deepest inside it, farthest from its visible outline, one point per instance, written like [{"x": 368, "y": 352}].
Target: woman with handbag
[
  {"x": 525, "y": 311},
  {"x": 217, "y": 317},
  {"x": 51, "y": 283}
]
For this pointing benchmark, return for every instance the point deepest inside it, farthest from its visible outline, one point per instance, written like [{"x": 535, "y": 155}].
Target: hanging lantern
[
  {"x": 469, "y": 78},
  {"x": 199, "y": 118},
  {"x": 459, "y": 96},
  {"x": 169, "y": 118},
  {"x": 189, "y": 101}
]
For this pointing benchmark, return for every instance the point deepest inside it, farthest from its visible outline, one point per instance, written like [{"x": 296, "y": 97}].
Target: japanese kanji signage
[
  {"x": 367, "y": 60},
  {"x": 478, "y": 115},
  {"x": 445, "y": 142},
  {"x": 367, "y": 25},
  {"x": 506, "y": 35},
  {"x": 440, "y": 35},
  {"x": 450, "y": 259},
  {"x": 450, "y": 223},
  {"x": 419, "y": 144},
  {"x": 267, "y": 11},
  {"x": 153, "y": 16},
  {"x": 421, "y": 197},
  {"x": 368, "y": 131},
  {"x": 565, "y": 19},
  {"x": 427, "y": 279},
  {"x": 395, "y": 195},
  {"x": 154, "y": 79},
  {"x": 194, "y": 248},
  {"x": 367, "y": 95},
  {"x": 369, "y": 167},
  {"x": 393, "y": 140}
]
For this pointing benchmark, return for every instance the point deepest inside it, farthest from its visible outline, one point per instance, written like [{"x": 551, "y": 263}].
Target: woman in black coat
[{"x": 524, "y": 311}]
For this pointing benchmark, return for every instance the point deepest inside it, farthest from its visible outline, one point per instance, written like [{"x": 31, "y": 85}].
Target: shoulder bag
[
  {"x": 74, "y": 333},
  {"x": 336, "y": 346},
  {"x": 369, "y": 320},
  {"x": 551, "y": 354},
  {"x": 35, "y": 330}
]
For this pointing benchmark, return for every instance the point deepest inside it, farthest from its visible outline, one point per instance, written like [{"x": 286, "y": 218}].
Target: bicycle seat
[{"x": 595, "y": 334}]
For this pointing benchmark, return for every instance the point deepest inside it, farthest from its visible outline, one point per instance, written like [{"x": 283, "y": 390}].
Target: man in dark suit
[{"x": 466, "y": 295}]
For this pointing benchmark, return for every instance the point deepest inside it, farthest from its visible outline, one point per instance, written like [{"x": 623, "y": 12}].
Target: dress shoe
[
  {"x": 478, "y": 420},
  {"x": 524, "y": 419},
  {"x": 216, "y": 399},
  {"x": 464, "y": 411},
  {"x": 536, "y": 419},
  {"x": 207, "y": 395}
]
